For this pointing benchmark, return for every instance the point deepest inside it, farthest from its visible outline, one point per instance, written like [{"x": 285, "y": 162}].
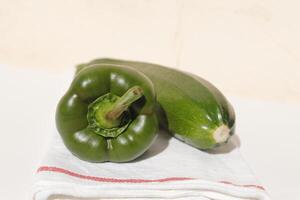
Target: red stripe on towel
[
  {"x": 115, "y": 180},
  {"x": 256, "y": 186},
  {"x": 111, "y": 180}
]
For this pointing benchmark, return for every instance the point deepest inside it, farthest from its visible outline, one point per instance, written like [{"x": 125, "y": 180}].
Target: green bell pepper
[{"x": 108, "y": 114}]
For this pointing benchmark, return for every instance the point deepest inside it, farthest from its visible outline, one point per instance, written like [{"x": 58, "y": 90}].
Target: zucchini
[{"x": 191, "y": 108}]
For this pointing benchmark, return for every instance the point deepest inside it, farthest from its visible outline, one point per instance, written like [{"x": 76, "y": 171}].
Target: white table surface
[{"x": 268, "y": 132}]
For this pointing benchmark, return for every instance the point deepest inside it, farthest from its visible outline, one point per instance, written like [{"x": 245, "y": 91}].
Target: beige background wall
[{"x": 247, "y": 48}]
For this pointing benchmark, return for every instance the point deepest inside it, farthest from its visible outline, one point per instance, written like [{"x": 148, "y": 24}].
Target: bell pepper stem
[{"x": 122, "y": 104}]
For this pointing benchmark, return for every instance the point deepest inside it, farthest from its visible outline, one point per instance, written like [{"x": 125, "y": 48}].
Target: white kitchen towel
[{"x": 170, "y": 169}]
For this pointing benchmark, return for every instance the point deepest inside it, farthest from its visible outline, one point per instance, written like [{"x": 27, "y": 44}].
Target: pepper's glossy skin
[
  {"x": 193, "y": 107},
  {"x": 88, "y": 85}
]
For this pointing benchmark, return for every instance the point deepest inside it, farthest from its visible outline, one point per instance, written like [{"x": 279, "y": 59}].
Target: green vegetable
[
  {"x": 108, "y": 114},
  {"x": 191, "y": 108}
]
